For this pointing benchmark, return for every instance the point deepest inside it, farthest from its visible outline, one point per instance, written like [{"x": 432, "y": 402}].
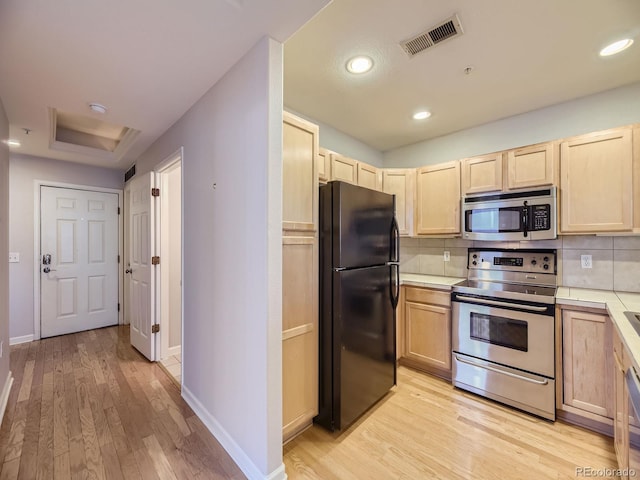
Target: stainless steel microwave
[{"x": 518, "y": 215}]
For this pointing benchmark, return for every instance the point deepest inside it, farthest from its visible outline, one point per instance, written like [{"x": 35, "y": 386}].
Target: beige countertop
[
  {"x": 429, "y": 281},
  {"x": 615, "y": 303}
]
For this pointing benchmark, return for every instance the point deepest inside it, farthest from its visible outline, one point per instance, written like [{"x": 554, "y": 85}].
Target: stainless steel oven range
[{"x": 503, "y": 334}]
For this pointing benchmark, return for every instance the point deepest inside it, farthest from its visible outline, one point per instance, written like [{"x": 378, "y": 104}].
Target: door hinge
[
  {"x": 155, "y": 192},
  {"x": 118, "y": 307},
  {"x": 155, "y": 328},
  {"x": 155, "y": 260},
  {"x": 118, "y": 210},
  {"x": 118, "y": 258}
]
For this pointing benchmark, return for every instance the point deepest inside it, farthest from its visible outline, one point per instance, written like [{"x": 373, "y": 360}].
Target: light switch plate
[
  {"x": 14, "y": 257},
  {"x": 447, "y": 256},
  {"x": 586, "y": 261}
]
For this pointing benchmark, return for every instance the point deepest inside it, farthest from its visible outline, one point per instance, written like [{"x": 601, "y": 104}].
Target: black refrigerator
[{"x": 359, "y": 288}]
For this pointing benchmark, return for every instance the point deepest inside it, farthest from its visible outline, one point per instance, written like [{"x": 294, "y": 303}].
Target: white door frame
[
  {"x": 36, "y": 244},
  {"x": 162, "y": 168}
]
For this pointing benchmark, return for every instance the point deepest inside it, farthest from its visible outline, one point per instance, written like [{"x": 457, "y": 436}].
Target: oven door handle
[
  {"x": 497, "y": 303},
  {"x": 503, "y": 372}
]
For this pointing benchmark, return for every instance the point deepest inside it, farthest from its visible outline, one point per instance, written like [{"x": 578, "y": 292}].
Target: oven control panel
[{"x": 515, "y": 260}]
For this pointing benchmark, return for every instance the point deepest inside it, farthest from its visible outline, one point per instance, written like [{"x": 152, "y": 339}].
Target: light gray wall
[
  {"x": 4, "y": 254},
  {"x": 339, "y": 142},
  {"x": 613, "y": 108},
  {"x": 23, "y": 171},
  {"x": 232, "y": 243}
]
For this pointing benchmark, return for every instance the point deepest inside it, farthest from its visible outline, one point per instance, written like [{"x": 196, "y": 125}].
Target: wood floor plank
[
  {"x": 62, "y": 467},
  {"x": 10, "y": 469},
  {"x": 160, "y": 462},
  {"x": 45, "y": 440}
]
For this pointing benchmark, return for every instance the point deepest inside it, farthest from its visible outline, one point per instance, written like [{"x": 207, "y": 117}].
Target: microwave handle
[{"x": 525, "y": 219}]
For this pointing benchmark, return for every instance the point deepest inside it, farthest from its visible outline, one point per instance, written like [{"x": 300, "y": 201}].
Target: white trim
[
  {"x": 228, "y": 443},
  {"x": 19, "y": 340},
  {"x": 36, "y": 245},
  {"x": 4, "y": 396}
]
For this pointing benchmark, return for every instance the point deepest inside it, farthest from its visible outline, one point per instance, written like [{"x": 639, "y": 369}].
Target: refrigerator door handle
[
  {"x": 394, "y": 293},
  {"x": 395, "y": 240}
]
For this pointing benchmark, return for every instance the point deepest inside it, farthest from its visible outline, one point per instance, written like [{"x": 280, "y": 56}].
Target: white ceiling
[
  {"x": 526, "y": 54},
  {"x": 147, "y": 61}
]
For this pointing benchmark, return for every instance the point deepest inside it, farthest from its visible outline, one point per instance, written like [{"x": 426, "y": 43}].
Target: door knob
[
  {"x": 47, "y": 269},
  {"x": 128, "y": 270}
]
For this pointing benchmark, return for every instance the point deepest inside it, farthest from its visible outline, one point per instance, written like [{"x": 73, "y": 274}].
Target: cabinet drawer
[{"x": 424, "y": 295}]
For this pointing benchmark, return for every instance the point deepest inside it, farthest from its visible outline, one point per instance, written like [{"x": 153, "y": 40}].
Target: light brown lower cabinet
[
  {"x": 427, "y": 330},
  {"x": 587, "y": 366},
  {"x": 621, "y": 404}
]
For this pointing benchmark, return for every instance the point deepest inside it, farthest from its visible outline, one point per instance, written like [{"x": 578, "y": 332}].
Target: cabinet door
[
  {"x": 299, "y": 174},
  {"x": 482, "y": 174},
  {"x": 324, "y": 165},
  {"x": 438, "y": 199},
  {"x": 344, "y": 168},
  {"x": 587, "y": 362},
  {"x": 368, "y": 176},
  {"x": 531, "y": 166},
  {"x": 620, "y": 416},
  {"x": 401, "y": 183},
  {"x": 596, "y": 182},
  {"x": 299, "y": 274},
  {"x": 428, "y": 334}
]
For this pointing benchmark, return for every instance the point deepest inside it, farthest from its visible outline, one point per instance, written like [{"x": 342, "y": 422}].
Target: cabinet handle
[
  {"x": 500, "y": 304},
  {"x": 503, "y": 372}
]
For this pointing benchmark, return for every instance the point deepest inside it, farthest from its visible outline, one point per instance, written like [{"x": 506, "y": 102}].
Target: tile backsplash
[{"x": 616, "y": 260}]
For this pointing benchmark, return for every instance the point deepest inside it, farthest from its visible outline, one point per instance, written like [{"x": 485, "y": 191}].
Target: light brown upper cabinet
[
  {"x": 438, "y": 199},
  {"x": 344, "y": 168},
  {"x": 482, "y": 174},
  {"x": 596, "y": 182},
  {"x": 368, "y": 176},
  {"x": 299, "y": 274},
  {"x": 532, "y": 166},
  {"x": 401, "y": 182},
  {"x": 324, "y": 165}
]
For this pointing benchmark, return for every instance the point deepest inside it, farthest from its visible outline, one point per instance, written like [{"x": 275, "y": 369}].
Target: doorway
[
  {"x": 154, "y": 264},
  {"x": 170, "y": 284},
  {"x": 78, "y": 266}
]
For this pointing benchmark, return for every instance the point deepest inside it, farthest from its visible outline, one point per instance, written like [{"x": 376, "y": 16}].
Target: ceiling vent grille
[{"x": 445, "y": 30}]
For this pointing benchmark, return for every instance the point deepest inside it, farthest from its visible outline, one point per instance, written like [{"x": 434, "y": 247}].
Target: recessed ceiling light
[
  {"x": 360, "y": 64},
  {"x": 96, "y": 107},
  {"x": 12, "y": 143},
  {"x": 421, "y": 115},
  {"x": 616, "y": 47}
]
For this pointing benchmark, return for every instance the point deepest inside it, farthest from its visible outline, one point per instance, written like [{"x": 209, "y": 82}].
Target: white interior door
[
  {"x": 141, "y": 248},
  {"x": 79, "y": 260}
]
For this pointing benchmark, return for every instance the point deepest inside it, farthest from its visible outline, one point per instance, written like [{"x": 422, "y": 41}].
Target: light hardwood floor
[
  {"x": 426, "y": 429},
  {"x": 89, "y": 406}
]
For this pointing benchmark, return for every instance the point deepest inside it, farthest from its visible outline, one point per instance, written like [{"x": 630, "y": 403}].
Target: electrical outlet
[
  {"x": 585, "y": 261},
  {"x": 447, "y": 256},
  {"x": 14, "y": 257}
]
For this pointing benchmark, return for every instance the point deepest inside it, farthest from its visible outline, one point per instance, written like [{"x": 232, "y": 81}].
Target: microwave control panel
[{"x": 540, "y": 217}]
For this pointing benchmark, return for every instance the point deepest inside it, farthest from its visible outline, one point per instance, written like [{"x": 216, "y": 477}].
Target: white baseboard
[
  {"x": 4, "y": 396},
  {"x": 23, "y": 339},
  {"x": 228, "y": 443}
]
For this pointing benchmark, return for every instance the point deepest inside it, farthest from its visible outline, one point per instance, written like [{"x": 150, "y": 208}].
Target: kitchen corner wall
[{"x": 616, "y": 260}]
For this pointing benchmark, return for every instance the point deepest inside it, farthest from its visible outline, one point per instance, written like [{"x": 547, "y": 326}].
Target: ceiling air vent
[{"x": 449, "y": 28}]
